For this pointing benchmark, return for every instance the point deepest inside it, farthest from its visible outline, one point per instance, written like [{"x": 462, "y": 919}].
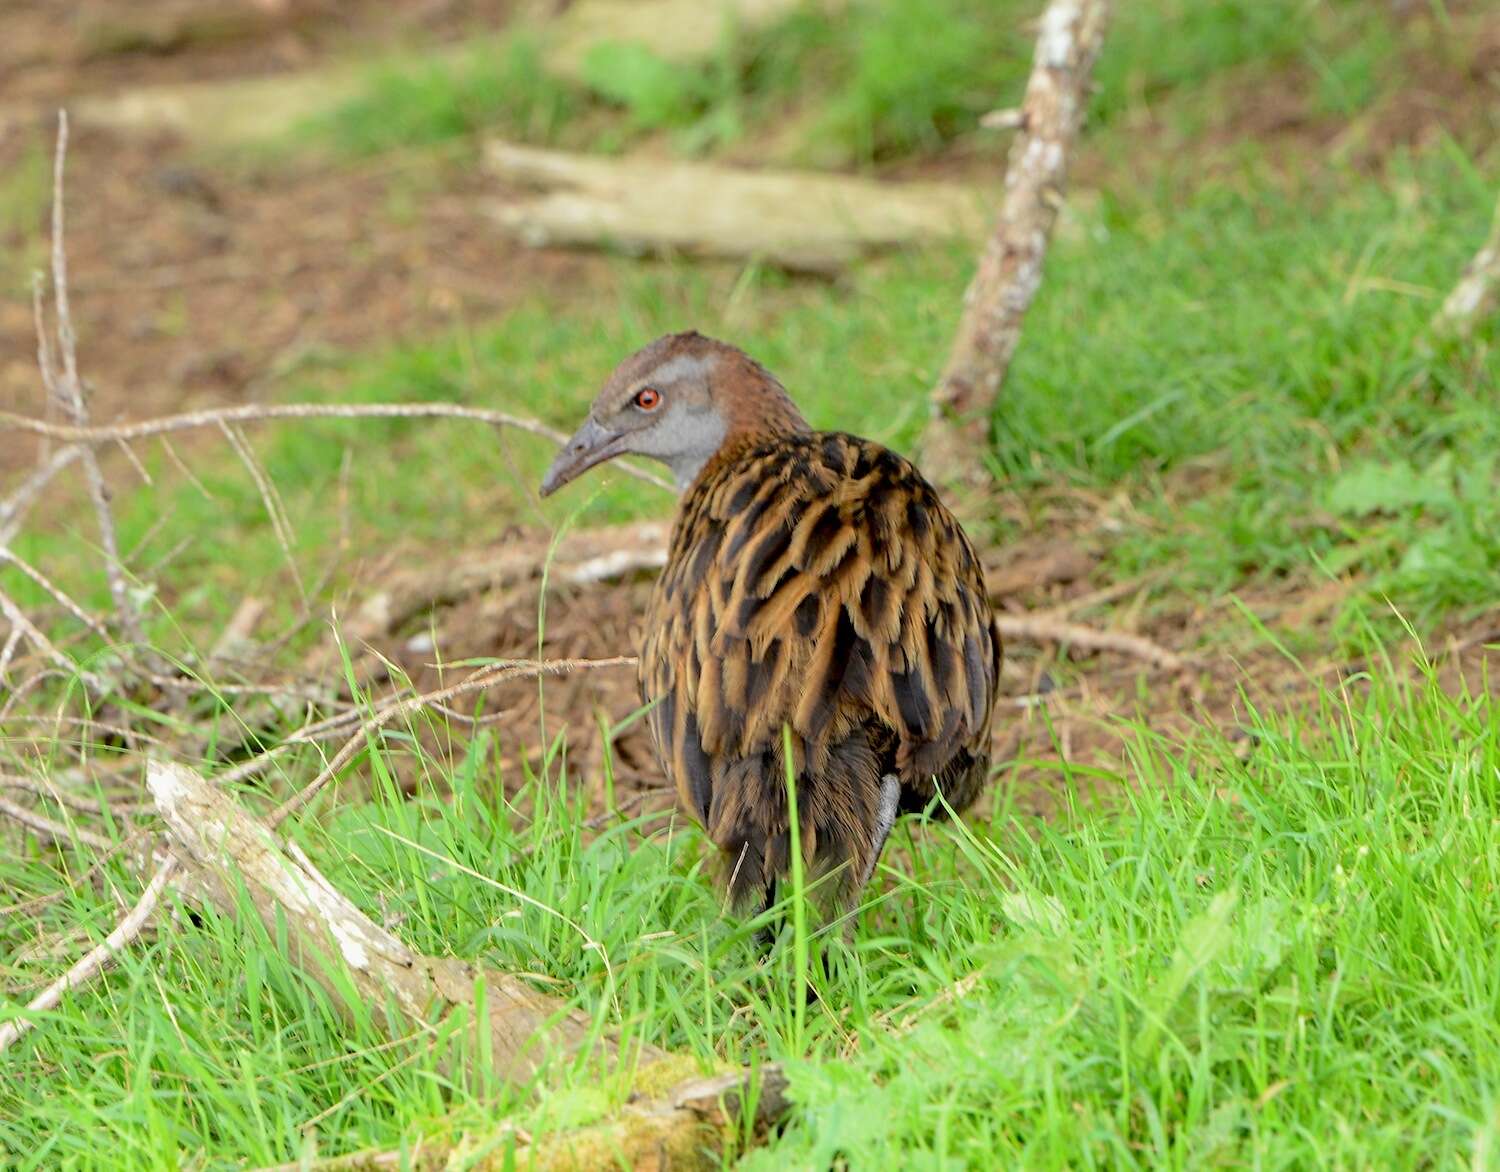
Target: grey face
[{"x": 657, "y": 404}]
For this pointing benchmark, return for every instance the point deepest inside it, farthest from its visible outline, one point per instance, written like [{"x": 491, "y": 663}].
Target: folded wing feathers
[{"x": 816, "y": 580}]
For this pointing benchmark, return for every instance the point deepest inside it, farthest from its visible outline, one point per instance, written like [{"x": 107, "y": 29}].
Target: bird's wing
[{"x": 817, "y": 581}]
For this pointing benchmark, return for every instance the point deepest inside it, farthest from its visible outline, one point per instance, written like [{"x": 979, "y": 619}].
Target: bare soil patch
[
  {"x": 53, "y": 52},
  {"x": 1066, "y": 718}
]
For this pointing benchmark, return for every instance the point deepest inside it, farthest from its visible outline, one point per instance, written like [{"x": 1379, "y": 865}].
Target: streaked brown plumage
[{"x": 814, "y": 581}]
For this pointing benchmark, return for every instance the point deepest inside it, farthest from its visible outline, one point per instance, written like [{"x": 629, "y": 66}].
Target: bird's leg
[
  {"x": 766, "y": 935},
  {"x": 885, "y": 818}
]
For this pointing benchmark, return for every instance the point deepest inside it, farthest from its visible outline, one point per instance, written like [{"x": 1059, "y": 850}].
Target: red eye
[{"x": 647, "y": 398}]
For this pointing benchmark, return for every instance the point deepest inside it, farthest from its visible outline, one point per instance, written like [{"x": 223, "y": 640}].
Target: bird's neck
[
  {"x": 752, "y": 401},
  {"x": 751, "y": 407}
]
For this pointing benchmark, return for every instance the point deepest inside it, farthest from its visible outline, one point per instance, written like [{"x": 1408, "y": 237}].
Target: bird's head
[{"x": 676, "y": 400}]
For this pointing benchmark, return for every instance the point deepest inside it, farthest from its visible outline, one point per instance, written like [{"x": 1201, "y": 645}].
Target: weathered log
[
  {"x": 249, "y": 109},
  {"x": 362, "y": 965},
  {"x": 342, "y": 948},
  {"x": 1010, "y": 270},
  {"x": 680, "y": 1131},
  {"x": 797, "y": 220}
]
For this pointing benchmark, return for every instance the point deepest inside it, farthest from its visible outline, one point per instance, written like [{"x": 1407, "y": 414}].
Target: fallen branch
[
  {"x": 582, "y": 558},
  {"x": 797, "y": 220},
  {"x": 364, "y": 967},
  {"x": 342, "y": 948},
  {"x": 1010, "y": 270},
  {"x": 1038, "y": 629},
  {"x": 255, "y": 412},
  {"x": 97, "y": 959},
  {"x": 684, "y": 1129},
  {"x": 66, "y": 387}
]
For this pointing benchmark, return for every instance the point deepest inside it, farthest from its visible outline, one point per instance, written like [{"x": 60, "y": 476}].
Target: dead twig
[
  {"x": 1010, "y": 270},
  {"x": 66, "y": 386},
  {"x": 484, "y": 678},
  {"x": 52, "y": 830},
  {"x": 96, "y": 960},
  {"x": 94, "y": 435},
  {"x": 44, "y": 646},
  {"x": 62, "y": 599},
  {"x": 1039, "y": 629},
  {"x": 14, "y": 509}
]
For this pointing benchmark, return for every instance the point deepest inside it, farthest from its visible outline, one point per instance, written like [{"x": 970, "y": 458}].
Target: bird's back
[{"x": 815, "y": 581}]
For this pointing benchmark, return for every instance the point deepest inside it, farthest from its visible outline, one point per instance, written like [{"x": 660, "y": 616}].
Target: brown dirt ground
[
  {"x": 54, "y": 51},
  {"x": 194, "y": 286},
  {"x": 1065, "y": 718}
]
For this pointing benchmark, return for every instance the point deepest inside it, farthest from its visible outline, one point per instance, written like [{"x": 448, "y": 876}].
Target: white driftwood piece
[
  {"x": 798, "y": 220},
  {"x": 227, "y": 851},
  {"x": 338, "y": 944},
  {"x": 248, "y": 109}
]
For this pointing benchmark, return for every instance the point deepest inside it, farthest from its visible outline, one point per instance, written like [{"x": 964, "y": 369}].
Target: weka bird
[{"x": 814, "y": 581}]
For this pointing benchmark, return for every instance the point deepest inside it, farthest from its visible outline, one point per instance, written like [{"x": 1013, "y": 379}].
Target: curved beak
[{"x": 591, "y": 444}]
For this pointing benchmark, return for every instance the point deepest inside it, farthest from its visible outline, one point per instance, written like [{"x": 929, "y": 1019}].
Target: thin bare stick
[
  {"x": 70, "y": 388},
  {"x": 255, "y": 412},
  {"x": 13, "y": 511},
  {"x": 51, "y": 588},
  {"x": 272, "y": 501},
  {"x": 484, "y": 678},
  {"x": 44, "y": 362},
  {"x": 18, "y": 620},
  {"x": 1010, "y": 270},
  {"x": 52, "y": 830},
  {"x": 8, "y": 651},
  {"x": 97, "y": 958},
  {"x": 1038, "y": 629}
]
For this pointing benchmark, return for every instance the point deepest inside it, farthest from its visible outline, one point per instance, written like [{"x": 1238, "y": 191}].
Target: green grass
[
  {"x": 1277, "y": 949},
  {"x": 493, "y": 85},
  {"x": 1284, "y": 952},
  {"x": 881, "y": 80},
  {"x": 25, "y": 193},
  {"x": 1254, "y": 376}
]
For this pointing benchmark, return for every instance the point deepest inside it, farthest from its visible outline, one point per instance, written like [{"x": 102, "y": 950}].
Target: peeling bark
[
  {"x": 341, "y": 948},
  {"x": 670, "y": 1122}
]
